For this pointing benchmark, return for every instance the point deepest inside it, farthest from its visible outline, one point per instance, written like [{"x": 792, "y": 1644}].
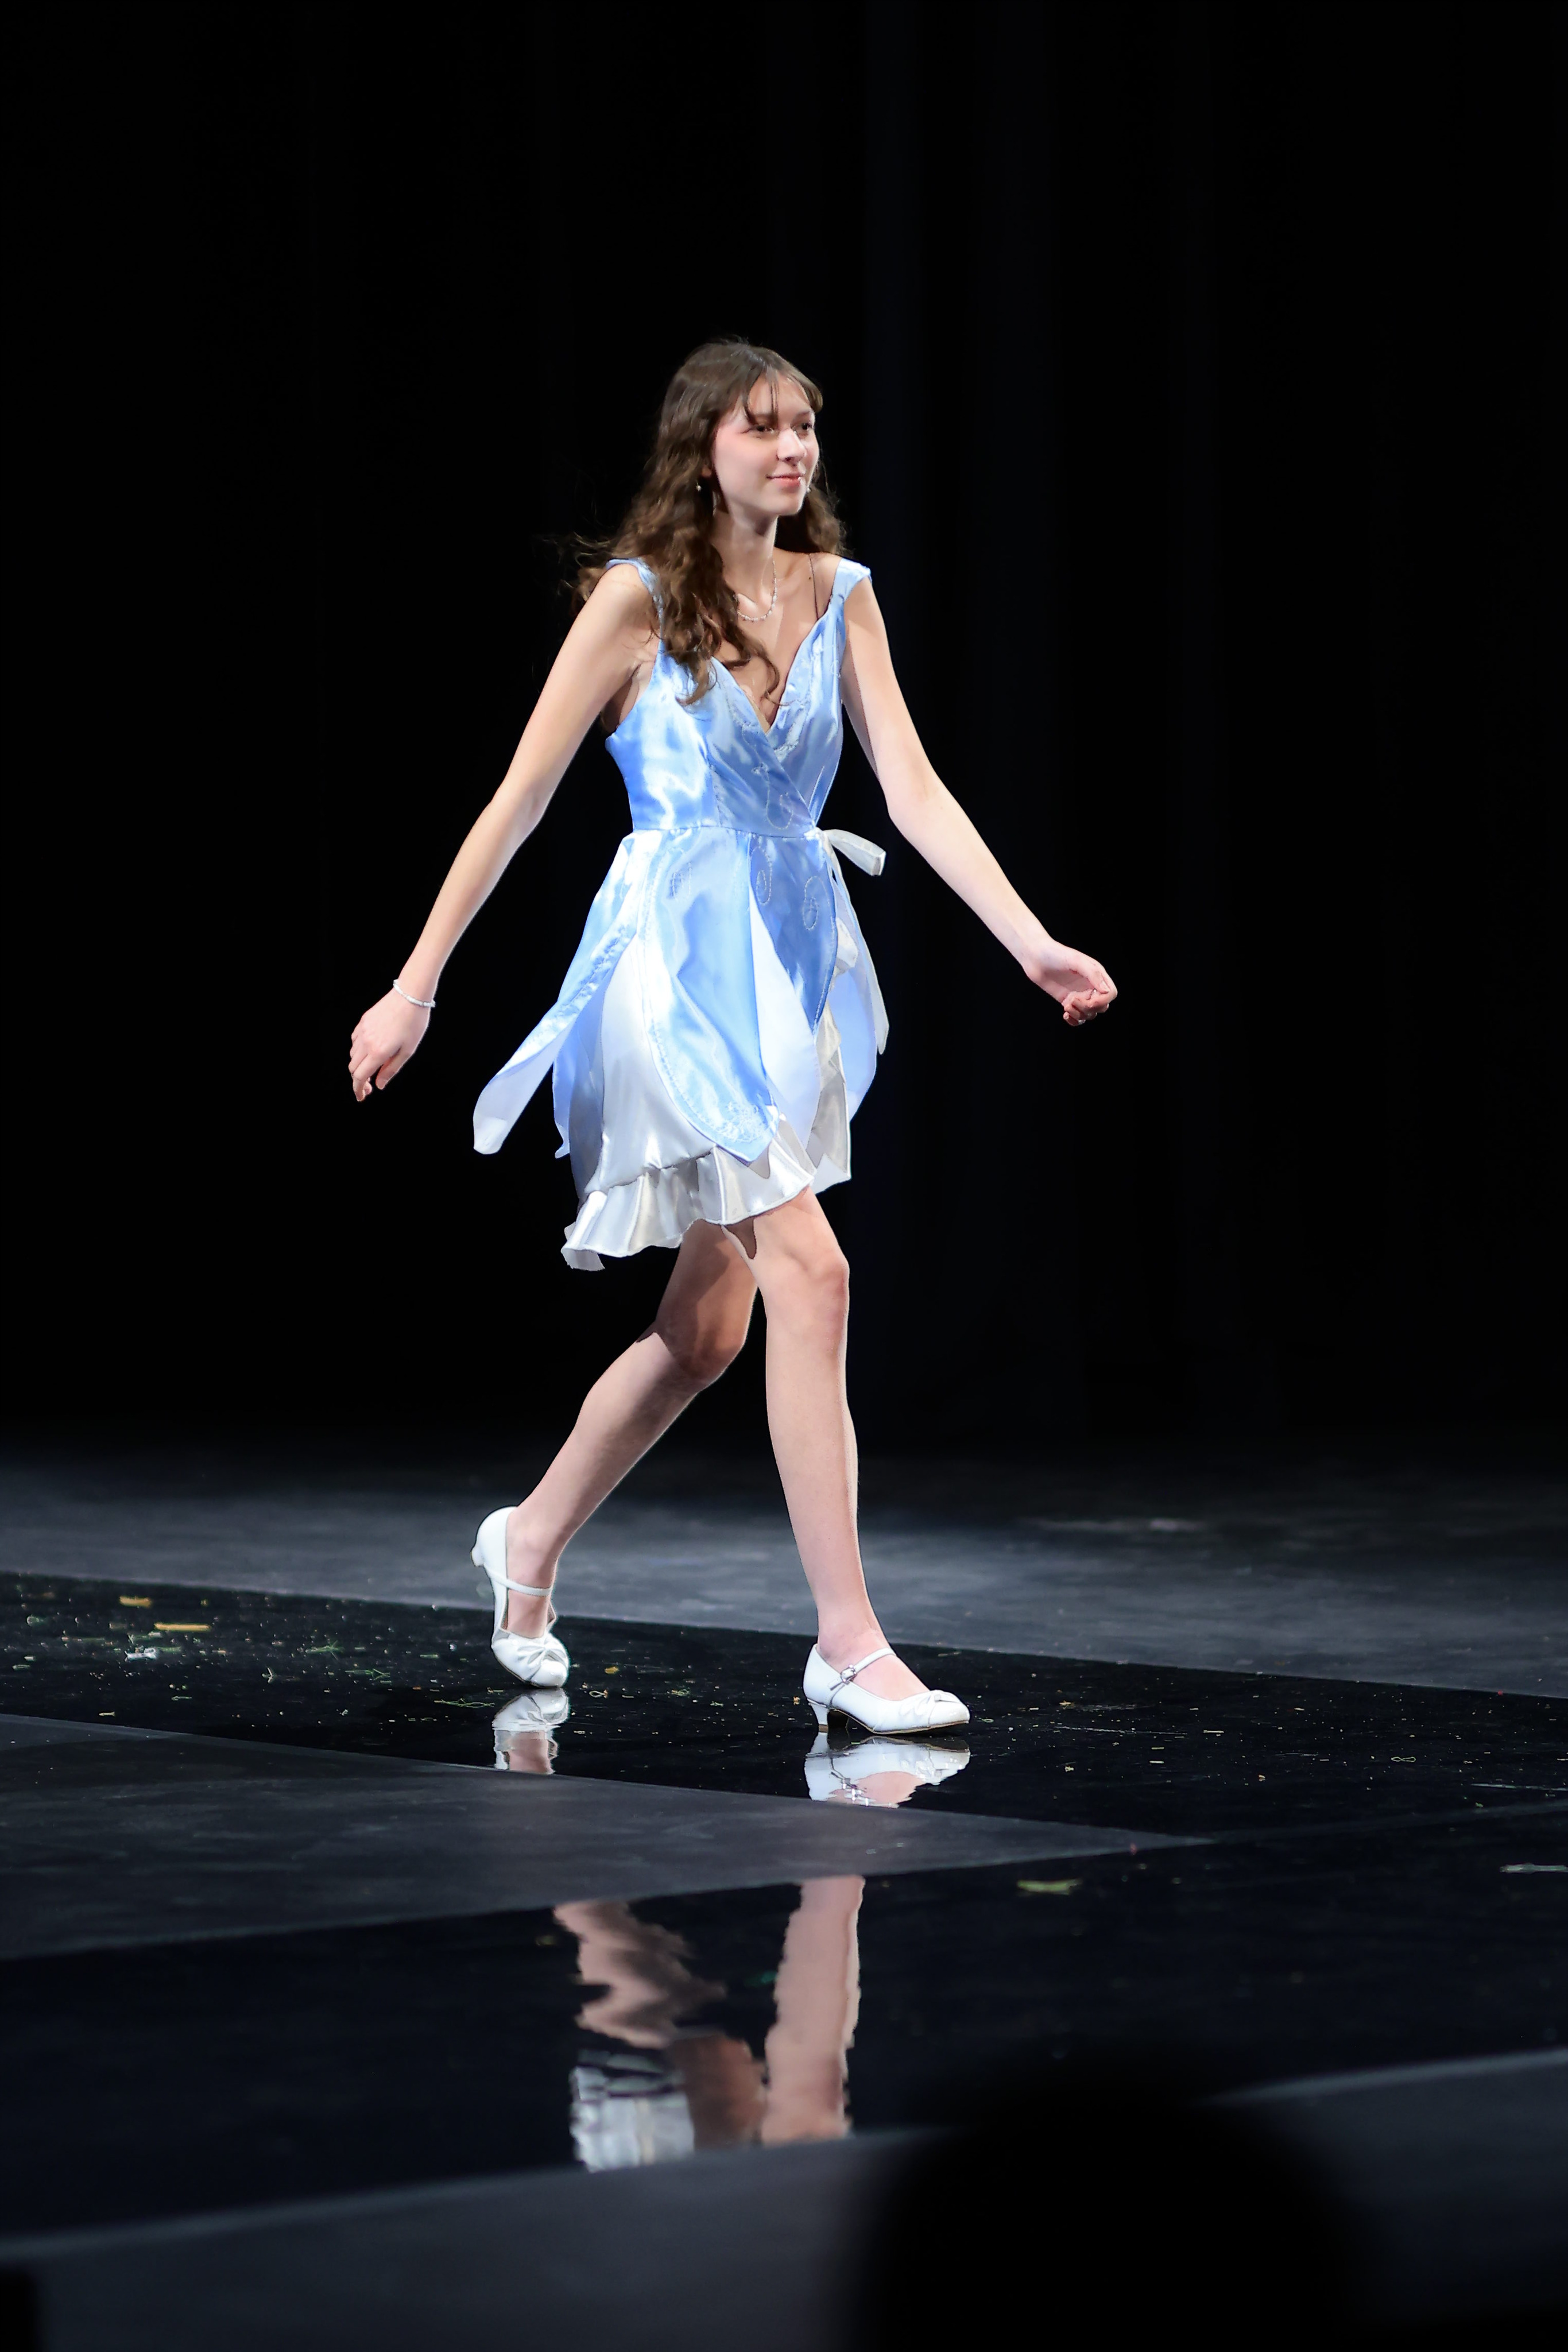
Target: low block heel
[{"x": 822, "y": 1715}]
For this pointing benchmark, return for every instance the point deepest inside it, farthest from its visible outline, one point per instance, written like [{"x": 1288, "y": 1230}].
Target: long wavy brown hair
[{"x": 669, "y": 523}]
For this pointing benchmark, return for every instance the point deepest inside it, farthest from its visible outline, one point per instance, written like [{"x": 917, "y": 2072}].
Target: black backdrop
[{"x": 1190, "y": 392}]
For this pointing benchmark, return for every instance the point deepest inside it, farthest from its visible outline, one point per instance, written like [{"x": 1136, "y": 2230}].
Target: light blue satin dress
[{"x": 721, "y": 1019}]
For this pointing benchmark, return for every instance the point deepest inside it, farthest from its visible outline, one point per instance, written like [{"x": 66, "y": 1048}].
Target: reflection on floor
[
  {"x": 1173, "y": 1749},
  {"x": 670, "y": 2090},
  {"x": 353, "y": 2057},
  {"x": 324, "y": 1935}
]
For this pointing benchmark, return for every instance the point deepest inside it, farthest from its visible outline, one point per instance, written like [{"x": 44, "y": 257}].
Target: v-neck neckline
[{"x": 724, "y": 668}]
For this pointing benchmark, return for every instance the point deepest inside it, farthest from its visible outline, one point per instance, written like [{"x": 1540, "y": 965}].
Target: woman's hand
[
  {"x": 383, "y": 1040},
  {"x": 1082, "y": 987}
]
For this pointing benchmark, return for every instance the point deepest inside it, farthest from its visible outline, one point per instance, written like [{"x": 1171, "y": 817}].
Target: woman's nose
[{"x": 790, "y": 444}]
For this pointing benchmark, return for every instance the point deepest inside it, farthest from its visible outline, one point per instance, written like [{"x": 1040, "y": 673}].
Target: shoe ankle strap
[
  {"x": 862, "y": 1664},
  {"x": 536, "y": 1591}
]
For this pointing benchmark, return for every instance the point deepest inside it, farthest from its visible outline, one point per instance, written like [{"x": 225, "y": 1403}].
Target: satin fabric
[
  {"x": 647, "y": 1174},
  {"x": 736, "y": 900}
]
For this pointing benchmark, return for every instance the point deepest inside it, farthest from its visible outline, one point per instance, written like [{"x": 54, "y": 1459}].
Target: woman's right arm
[{"x": 608, "y": 643}]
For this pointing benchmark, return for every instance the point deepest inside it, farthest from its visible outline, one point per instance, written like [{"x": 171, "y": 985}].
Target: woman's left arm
[{"x": 931, "y": 820}]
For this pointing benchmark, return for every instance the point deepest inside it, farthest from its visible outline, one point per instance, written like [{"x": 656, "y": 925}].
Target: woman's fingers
[
  {"x": 1086, "y": 1005},
  {"x": 373, "y": 1066},
  {"x": 362, "y": 1070},
  {"x": 1089, "y": 1002}
]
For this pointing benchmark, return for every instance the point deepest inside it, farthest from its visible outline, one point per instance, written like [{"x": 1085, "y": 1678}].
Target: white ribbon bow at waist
[{"x": 858, "y": 850}]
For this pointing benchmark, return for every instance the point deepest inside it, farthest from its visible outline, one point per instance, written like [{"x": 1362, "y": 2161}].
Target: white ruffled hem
[{"x": 657, "y": 1208}]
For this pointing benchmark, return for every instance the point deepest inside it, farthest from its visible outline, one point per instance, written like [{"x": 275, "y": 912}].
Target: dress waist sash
[{"x": 866, "y": 855}]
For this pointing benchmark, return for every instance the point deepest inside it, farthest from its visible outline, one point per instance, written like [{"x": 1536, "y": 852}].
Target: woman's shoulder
[
  {"x": 627, "y": 590},
  {"x": 835, "y": 576},
  {"x": 850, "y": 576}
]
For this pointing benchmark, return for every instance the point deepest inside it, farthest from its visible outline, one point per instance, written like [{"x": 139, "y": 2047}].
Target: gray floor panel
[
  {"x": 752, "y": 2250},
  {"x": 1458, "y": 2173},
  {"x": 148, "y": 1837},
  {"x": 1428, "y": 1579}
]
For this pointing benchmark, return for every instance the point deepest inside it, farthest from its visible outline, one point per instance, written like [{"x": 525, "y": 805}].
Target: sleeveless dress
[{"x": 721, "y": 1022}]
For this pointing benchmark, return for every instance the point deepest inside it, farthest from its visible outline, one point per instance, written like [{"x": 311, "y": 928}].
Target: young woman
[{"x": 721, "y": 1021}]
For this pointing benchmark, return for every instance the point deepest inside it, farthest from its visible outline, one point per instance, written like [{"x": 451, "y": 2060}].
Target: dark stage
[
  {"x": 1273, "y": 1796},
  {"x": 1193, "y": 390}
]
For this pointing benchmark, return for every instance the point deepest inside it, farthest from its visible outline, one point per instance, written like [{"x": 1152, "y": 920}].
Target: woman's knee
[
  {"x": 702, "y": 1347},
  {"x": 705, "y": 1312},
  {"x": 812, "y": 1278}
]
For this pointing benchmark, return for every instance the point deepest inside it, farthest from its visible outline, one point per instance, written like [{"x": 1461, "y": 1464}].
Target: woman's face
[{"x": 764, "y": 452}]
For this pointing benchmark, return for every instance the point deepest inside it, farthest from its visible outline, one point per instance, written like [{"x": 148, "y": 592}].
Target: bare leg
[
  {"x": 888, "y": 1788},
  {"x": 699, "y": 1329},
  {"x": 805, "y": 1284},
  {"x": 529, "y": 1751},
  {"x": 817, "y": 1998},
  {"x": 648, "y": 1989}
]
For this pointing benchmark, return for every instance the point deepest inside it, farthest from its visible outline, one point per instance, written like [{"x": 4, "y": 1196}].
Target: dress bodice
[{"x": 712, "y": 762}]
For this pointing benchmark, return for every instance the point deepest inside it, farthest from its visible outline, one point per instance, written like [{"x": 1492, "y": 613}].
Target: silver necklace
[{"x": 757, "y": 623}]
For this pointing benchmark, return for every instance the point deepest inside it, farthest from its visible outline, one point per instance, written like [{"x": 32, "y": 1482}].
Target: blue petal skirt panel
[{"x": 721, "y": 1022}]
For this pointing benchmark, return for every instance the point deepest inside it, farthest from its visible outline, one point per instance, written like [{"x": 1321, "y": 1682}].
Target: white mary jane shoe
[
  {"x": 838, "y": 1772},
  {"x": 832, "y": 1692},
  {"x": 536, "y": 1658}
]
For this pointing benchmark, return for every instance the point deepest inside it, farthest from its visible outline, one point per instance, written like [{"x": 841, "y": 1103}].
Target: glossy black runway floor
[{"x": 323, "y": 1940}]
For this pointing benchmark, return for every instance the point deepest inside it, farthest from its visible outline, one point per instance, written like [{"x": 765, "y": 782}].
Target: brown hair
[{"x": 669, "y": 523}]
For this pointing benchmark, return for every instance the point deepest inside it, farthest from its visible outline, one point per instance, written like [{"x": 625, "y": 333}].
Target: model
[{"x": 721, "y": 1021}]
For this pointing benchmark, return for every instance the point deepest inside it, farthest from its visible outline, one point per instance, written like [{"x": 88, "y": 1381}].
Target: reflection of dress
[{"x": 721, "y": 1019}]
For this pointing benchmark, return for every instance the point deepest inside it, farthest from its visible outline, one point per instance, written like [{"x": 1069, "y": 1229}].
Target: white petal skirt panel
[{"x": 644, "y": 1173}]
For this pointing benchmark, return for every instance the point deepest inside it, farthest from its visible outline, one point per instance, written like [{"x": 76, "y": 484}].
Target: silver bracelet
[{"x": 426, "y": 1005}]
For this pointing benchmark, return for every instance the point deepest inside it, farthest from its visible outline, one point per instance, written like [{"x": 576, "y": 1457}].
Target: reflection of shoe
[
  {"x": 838, "y": 1771},
  {"x": 832, "y": 1692},
  {"x": 531, "y": 1710},
  {"x": 537, "y": 1658}
]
